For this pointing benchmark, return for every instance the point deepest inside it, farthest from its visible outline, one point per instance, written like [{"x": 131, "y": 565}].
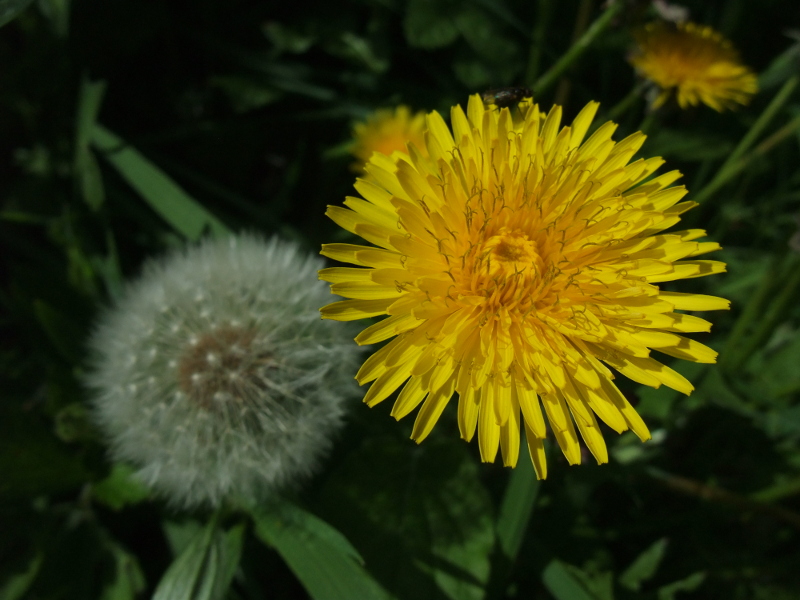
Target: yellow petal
[
  {"x": 410, "y": 396},
  {"x": 432, "y": 409},
  {"x": 537, "y": 453},
  {"x": 468, "y": 405},
  {"x": 351, "y": 310},
  {"x": 509, "y": 437},
  {"x": 683, "y": 301},
  {"x": 488, "y": 429}
]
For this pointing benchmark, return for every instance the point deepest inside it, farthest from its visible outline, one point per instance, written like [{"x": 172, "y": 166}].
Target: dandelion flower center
[{"x": 221, "y": 367}]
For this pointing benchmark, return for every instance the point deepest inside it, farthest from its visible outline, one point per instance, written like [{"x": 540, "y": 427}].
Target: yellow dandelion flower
[
  {"x": 518, "y": 268},
  {"x": 387, "y": 131},
  {"x": 694, "y": 61}
]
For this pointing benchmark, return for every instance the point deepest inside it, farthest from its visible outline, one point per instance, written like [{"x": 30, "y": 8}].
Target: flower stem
[
  {"x": 581, "y": 22},
  {"x": 723, "y": 177},
  {"x": 621, "y": 107},
  {"x": 537, "y": 40},
  {"x": 716, "y": 494},
  {"x": 577, "y": 49},
  {"x": 762, "y": 122}
]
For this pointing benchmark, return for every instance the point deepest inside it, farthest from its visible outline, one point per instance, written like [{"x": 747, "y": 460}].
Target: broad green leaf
[
  {"x": 17, "y": 585},
  {"x": 9, "y": 9},
  {"x": 165, "y": 196},
  {"x": 230, "y": 554},
  {"x": 180, "y": 534},
  {"x": 566, "y": 582},
  {"x": 515, "y": 512},
  {"x": 322, "y": 559},
  {"x": 203, "y": 571},
  {"x": 689, "y": 584},
  {"x": 120, "y": 488},
  {"x": 429, "y": 24},
  {"x": 484, "y": 37},
  {"x": 128, "y": 582},
  {"x": 419, "y": 515},
  {"x": 472, "y": 72},
  {"x": 644, "y": 566},
  {"x": 87, "y": 172}
]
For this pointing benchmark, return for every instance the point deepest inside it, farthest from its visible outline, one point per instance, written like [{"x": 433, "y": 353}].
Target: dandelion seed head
[{"x": 215, "y": 377}]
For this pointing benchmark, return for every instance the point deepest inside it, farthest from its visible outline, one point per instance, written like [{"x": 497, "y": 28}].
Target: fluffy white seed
[{"x": 214, "y": 374}]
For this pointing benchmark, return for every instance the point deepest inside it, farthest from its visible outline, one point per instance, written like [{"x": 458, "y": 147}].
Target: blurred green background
[{"x": 239, "y": 114}]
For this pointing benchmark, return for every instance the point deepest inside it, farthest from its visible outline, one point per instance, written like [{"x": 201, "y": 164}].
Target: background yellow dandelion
[
  {"x": 693, "y": 62},
  {"x": 387, "y": 131}
]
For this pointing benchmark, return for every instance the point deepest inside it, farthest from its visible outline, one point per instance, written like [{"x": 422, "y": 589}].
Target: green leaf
[
  {"x": 515, "y": 512},
  {"x": 205, "y": 568},
  {"x": 429, "y": 24},
  {"x": 483, "y": 36},
  {"x": 9, "y": 9},
  {"x": 120, "y": 488},
  {"x": 86, "y": 169},
  {"x": 128, "y": 582},
  {"x": 285, "y": 39},
  {"x": 16, "y": 586},
  {"x": 644, "y": 566},
  {"x": 566, "y": 582},
  {"x": 174, "y": 205},
  {"x": 322, "y": 559},
  {"x": 689, "y": 584},
  {"x": 429, "y": 529},
  {"x": 782, "y": 67}
]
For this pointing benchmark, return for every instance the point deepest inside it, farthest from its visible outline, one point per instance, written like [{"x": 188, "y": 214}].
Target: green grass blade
[{"x": 166, "y": 197}]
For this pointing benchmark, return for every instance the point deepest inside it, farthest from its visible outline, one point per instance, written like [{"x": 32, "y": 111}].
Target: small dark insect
[{"x": 507, "y": 96}]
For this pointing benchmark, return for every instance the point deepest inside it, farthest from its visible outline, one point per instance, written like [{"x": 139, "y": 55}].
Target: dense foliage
[{"x": 130, "y": 127}]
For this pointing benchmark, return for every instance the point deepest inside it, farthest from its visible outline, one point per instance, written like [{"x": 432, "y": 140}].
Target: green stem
[
  {"x": 647, "y": 123},
  {"x": 753, "y": 309},
  {"x": 763, "y": 148},
  {"x": 719, "y": 495},
  {"x": 762, "y": 122},
  {"x": 776, "y": 311},
  {"x": 577, "y": 49},
  {"x": 537, "y": 41},
  {"x": 778, "y": 491},
  {"x": 585, "y": 10},
  {"x": 621, "y": 107}
]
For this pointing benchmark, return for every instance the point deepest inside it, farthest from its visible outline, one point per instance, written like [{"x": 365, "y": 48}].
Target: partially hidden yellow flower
[
  {"x": 696, "y": 63},
  {"x": 520, "y": 269},
  {"x": 387, "y": 131}
]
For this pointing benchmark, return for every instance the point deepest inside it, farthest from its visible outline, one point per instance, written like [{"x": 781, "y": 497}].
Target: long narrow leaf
[
  {"x": 322, "y": 559},
  {"x": 165, "y": 196}
]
